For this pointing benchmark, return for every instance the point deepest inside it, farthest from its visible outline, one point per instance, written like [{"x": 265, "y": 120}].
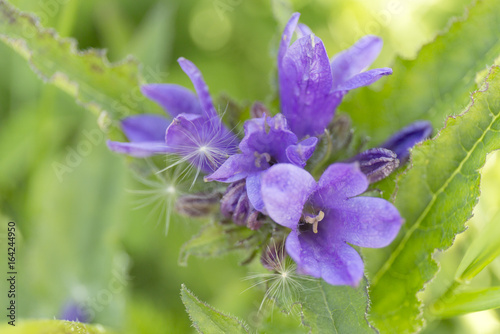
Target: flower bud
[
  {"x": 376, "y": 163},
  {"x": 258, "y": 110},
  {"x": 231, "y": 197},
  {"x": 254, "y": 220},
  {"x": 197, "y": 205},
  {"x": 273, "y": 255},
  {"x": 235, "y": 205}
]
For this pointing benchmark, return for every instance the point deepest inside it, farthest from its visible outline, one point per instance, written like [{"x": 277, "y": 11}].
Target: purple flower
[
  {"x": 325, "y": 216},
  {"x": 311, "y": 85},
  {"x": 267, "y": 141},
  {"x": 196, "y": 132},
  {"x": 73, "y": 312}
]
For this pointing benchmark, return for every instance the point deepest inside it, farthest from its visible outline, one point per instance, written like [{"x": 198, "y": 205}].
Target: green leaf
[
  {"x": 87, "y": 76},
  {"x": 481, "y": 252},
  {"x": 335, "y": 309},
  {"x": 53, "y": 327},
  {"x": 206, "y": 319},
  {"x": 217, "y": 239},
  {"x": 468, "y": 302},
  {"x": 436, "y": 84},
  {"x": 435, "y": 197},
  {"x": 484, "y": 247}
]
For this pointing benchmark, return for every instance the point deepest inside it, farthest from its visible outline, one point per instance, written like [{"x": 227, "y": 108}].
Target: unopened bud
[
  {"x": 376, "y": 163},
  {"x": 235, "y": 205},
  {"x": 254, "y": 220},
  {"x": 258, "y": 110},
  {"x": 197, "y": 205},
  {"x": 273, "y": 255},
  {"x": 242, "y": 210},
  {"x": 231, "y": 197}
]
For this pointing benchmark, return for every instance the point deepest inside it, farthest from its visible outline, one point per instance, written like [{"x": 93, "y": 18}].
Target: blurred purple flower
[
  {"x": 325, "y": 216},
  {"x": 73, "y": 312},
  {"x": 196, "y": 132},
  {"x": 311, "y": 85},
  {"x": 267, "y": 141}
]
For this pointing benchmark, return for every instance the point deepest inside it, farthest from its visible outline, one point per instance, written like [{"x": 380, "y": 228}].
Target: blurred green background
[{"x": 76, "y": 233}]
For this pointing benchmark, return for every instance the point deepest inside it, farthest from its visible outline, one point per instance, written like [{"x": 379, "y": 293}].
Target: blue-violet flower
[
  {"x": 196, "y": 132},
  {"x": 312, "y": 86},
  {"x": 267, "y": 141},
  {"x": 324, "y": 216}
]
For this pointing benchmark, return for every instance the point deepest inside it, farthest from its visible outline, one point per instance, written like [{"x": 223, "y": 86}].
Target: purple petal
[
  {"x": 319, "y": 255},
  {"x": 305, "y": 82},
  {"x": 139, "y": 149},
  {"x": 300, "y": 153},
  {"x": 363, "y": 79},
  {"x": 352, "y": 61},
  {"x": 402, "y": 141},
  {"x": 269, "y": 135},
  {"x": 204, "y": 143},
  {"x": 376, "y": 163},
  {"x": 254, "y": 191},
  {"x": 174, "y": 99},
  {"x": 286, "y": 37},
  {"x": 285, "y": 189},
  {"x": 339, "y": 182},
  {"x": 145, "y": 128},
  {"x": 200, "y": 86},
  {"x": 235, "y": 168},
  {"x": 366, "y": 221}
]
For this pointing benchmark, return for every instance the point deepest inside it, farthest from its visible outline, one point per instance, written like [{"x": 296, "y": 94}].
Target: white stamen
[{"x": 315, "y": 220}]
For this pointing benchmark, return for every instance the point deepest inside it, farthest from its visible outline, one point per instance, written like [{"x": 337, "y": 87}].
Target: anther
[{"x": 314, "y": 220}]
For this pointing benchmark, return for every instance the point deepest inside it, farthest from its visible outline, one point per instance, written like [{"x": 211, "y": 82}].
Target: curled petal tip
[{"x": 405, "y": 139}]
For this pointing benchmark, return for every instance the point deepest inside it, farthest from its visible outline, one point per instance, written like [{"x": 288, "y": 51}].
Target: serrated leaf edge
[
  {"x": 484, "y": 88},
  {"x": 73, "y": 45},
  {"x": 185, "y": 290}
]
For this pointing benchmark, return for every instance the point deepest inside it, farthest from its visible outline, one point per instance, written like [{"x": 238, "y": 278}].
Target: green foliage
[
  {"x": 468, "y": 302},
  {"x": 484, "y": 246},
  {"x": 435, "y": 197},
  {"x": 481, "y": 252},
  {"x": 53, "y": 327},
  {"x": 206, "y": 319},
  {"x": 335, "y": 309},
  {"x": 217, "y": 239},
  {"x": 87, "y": 76},
  {"x": 436, "y": 84}
]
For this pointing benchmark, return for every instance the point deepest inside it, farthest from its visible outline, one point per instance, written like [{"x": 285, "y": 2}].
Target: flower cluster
[{"x": 267, "y": 171}]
